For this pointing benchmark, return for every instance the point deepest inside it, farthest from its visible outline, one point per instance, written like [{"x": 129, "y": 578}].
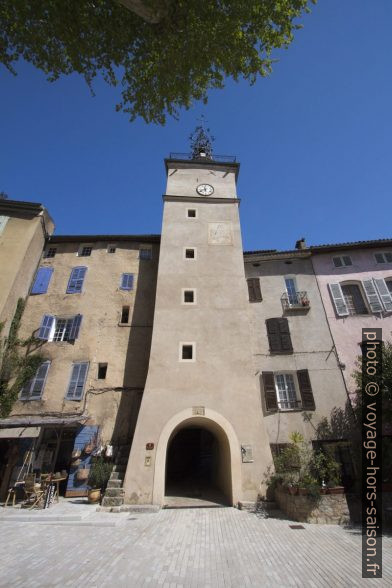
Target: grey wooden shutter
[
  {"x": 384, "y": 293},
  {"x": 338, "y": 299},
  {"x": 254, "y": 290},
  {"x": 305, "y": 389},
  {"x": 271, "y": 402},
  {"x": 285, "y": 338},
  {"x": 273, "y": 334},
  {"x": 372, "y": 295},
  {"x": 75, "y": 328}
]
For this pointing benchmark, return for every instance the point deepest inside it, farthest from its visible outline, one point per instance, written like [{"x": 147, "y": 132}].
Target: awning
[{"x": 19, "y": 432}]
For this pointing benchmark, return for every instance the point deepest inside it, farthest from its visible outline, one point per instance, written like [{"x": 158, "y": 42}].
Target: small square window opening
[
  {"x": 125, "y": 314},
  {"x": 189, "y": 296},
  {"x": 85, "y": 251},
  {"x": 187, "y": 352},
  {"x": 191, "y": 213},
  {"x": 189, "y": 253},
  {"x": 145, "y": 253},
  {"x": 111, "y": 249},
  {"x": 102, "y": 369}
]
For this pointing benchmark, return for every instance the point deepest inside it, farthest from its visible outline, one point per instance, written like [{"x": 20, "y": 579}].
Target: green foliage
[
  {"x": 299, "y": 465},
  {"x": 162, "y": 66},
  {"x": 99, "y": 473},
  {"x": 15, "y": 369}
]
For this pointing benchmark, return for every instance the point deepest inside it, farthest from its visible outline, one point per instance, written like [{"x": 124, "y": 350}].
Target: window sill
[
  {"x": 281, "y": 352},
  {"x": 124, "y": 324}
]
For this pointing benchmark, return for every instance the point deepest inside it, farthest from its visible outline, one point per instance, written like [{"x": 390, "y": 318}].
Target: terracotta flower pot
[
  {"x": 94, "y": 495},
  {"x": 292, "y": 490}
]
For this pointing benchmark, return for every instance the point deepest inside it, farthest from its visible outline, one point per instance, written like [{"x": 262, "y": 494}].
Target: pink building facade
[{"x": 355, "y": 281}]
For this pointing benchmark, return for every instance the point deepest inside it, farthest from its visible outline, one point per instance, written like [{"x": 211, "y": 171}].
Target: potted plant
[{"x": 99, "y": 476}]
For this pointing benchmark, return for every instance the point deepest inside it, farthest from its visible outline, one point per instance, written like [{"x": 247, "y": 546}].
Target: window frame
[
  {"x": 188, "y": 210},
  {"x": 142, "y": 256},
  {"x": 298, "y": 401},
  {"x": 111, "y": 246},
  {"x": 41, "y": 280},
  {"x": 183, "y": 301},
  {"x": 3, "y": 222},
  {"x": 183, "y": 344},
  {"x": 50, "y": 249},
  {"x": 384, "y": 254},
  {"x": 362, "y": 292},
  {"x": 190, "y": 248},
  {"x": 74, "y": 325},
  {"x": 343, "y": 263},
  {"x": 84, "y": 246},
  {"x": 123, "y": 282}
]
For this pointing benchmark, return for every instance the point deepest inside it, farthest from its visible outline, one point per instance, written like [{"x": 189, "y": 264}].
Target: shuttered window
[
  {"x": 75, "y": 283},
  {"x": 42, "y": 279},
  {"x": 338, "y": 299},
  {"x": 254, "y": 290},
  {"x": 145, "y": 253},
  {"x": 354, "y": 299},
  {"x": 279, "y": 335},
  {"x": 34, "y": 388},
  {"x": 126, "y": 282},
  {"x": 271, "y": 402},
  {"x": 385, "y": 257},
  {"x": 59, "y": 329},
  {"x": 384, "y": 289},
  {"x": 77, "y": 381},
  {"x": 305, "y": 389},
  {"x": 372, "y": 296}
]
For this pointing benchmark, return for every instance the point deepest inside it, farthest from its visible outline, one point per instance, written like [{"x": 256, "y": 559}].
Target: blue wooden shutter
[
  {"x": 75, "y": 328},
  {"x": 126, "y": 282},
  {"x": 42, "y": 280},
  {"x": 46, "y": 325},
  {"x": 76, "y": 279},
  {"x": 76, "y": 383}
]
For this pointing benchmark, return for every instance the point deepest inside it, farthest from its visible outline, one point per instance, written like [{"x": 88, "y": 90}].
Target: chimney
[{"x": 301, "y": 243}]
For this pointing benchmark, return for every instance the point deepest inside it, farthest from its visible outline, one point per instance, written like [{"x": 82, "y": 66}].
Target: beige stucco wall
[
  {"x": 220, "y": 379},
  {"x": 101, "y": 340},
  {"x": 311, "y": 340},
  {"x": 21, "y": 244}
]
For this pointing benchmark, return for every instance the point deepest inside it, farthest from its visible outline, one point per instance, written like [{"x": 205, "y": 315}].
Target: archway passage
[{"x": 197, "y": 469}]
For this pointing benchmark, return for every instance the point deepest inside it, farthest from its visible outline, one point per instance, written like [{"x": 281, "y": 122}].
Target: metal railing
[
  {"x": 216, "y": 158},
  {"x": 295, "y": 300}
]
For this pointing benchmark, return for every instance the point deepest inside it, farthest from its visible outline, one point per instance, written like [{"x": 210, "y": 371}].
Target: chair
[{"x": 33, "y": 491}]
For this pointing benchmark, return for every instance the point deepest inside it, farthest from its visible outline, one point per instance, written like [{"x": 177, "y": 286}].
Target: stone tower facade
[{"x": 201, "y": 406}]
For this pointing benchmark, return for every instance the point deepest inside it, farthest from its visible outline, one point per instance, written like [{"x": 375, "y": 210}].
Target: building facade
[{"x": 187, "y": 357}]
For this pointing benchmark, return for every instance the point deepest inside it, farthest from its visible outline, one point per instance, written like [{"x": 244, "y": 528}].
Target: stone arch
[{"x": 215, "y": 423}]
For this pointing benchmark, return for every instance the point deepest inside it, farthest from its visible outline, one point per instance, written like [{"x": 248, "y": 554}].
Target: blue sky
[{"x": 314, "y": 141}]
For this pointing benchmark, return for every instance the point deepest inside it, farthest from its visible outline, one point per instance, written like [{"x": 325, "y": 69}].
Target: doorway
[{"x": 198, "y": 468}]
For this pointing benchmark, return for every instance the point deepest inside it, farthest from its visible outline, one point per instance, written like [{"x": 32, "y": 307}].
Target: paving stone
[{"x": 193, "y": 548}]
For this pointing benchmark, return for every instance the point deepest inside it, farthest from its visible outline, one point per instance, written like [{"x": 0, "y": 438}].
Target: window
[
  {"x": 190, "y": 253},
  {"x": 3, "y": 222},
  {"x": 34, "y": 388},
  {"x": 342, "y": 261},
  {"x": 85, "y": 250},
  {"x": 125, "y": 314},
  {"x": 385, "y": 257},
  {"x": 354, "y": 300},
  {"x": 102, "y": 369},
  {"x": 111, "y": 249},
  {"x": 145, "y": 253},
  {"x": 76, "y": 279},
  {"x": 188, "y": 296},
  {"x": 77, "y": 381},
  {"x": 51, "y": 252},
  {"x": 292, "y": 292},
  {"x": 285, "y": 390},
  {"x": 187, "y": 351},
  {"x": 254, "y": 290},
  {"x": 389, "y": 285},
  {"x": 280, "y": 390},
  {"x": 42, "y": 279},
  {"x": 56, "y": 329},
  {"x": 191, "y": 213},
  {"x": 126, "y": 282},
  {"x": 279, "y": 335}
]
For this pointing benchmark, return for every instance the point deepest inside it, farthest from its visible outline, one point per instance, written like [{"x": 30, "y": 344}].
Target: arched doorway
[{"x": 198, "y": 466}]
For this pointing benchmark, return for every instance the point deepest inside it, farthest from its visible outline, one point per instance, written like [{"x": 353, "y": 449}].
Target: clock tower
[{"x": 200, "y": 433}]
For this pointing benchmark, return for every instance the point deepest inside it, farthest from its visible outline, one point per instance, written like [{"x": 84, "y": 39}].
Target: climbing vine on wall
[{"x": 17, "y": 364}]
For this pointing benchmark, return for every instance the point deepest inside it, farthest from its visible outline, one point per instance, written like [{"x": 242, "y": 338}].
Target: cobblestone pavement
[{"x": 218, "y": 547}]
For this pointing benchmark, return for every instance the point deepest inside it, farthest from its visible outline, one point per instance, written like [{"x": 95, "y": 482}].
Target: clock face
[{"x": 205, "y": 189}]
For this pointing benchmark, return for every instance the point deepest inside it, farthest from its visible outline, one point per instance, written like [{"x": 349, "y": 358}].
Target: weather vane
[{"x": 201, "y": 141}]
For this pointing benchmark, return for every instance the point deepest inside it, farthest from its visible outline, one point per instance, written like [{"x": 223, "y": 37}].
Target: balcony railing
[
  {"x": 216, "y": 158},
  {"x": 295, "y": 301}
]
